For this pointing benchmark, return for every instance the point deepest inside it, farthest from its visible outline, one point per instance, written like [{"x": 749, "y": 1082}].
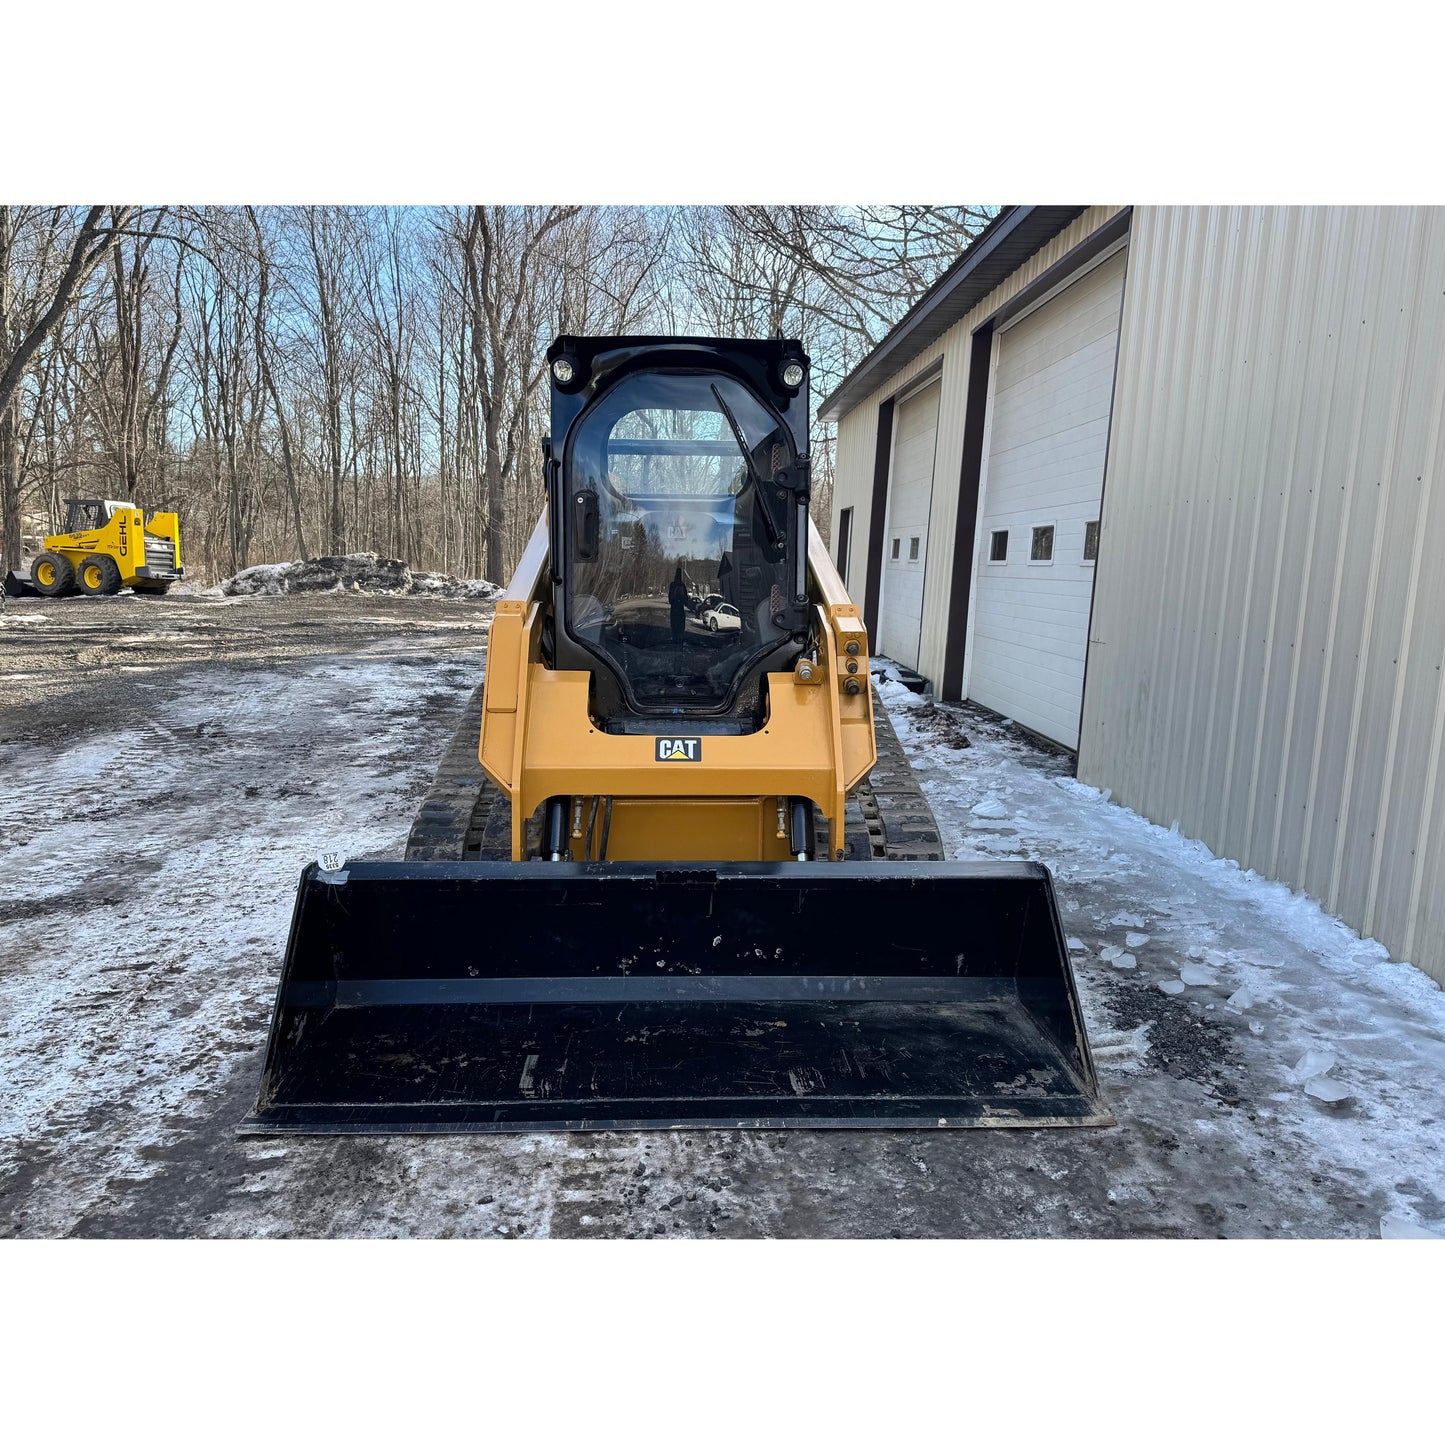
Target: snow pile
[
  {"x": 356, "y": 572},
  {"x": 439, "y": 584}
]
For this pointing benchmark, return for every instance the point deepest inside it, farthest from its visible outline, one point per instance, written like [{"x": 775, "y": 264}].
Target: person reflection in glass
[{"x": 677, "y": 601}]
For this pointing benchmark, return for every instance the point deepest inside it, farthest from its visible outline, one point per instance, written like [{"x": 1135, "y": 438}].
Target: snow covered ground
[
  {"x": 170, "y": 766},
  {"x": 1321, "y": 1049}
]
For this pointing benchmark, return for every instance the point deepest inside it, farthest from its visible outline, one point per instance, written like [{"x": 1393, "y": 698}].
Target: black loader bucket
[{"x": 456, "y": 997}]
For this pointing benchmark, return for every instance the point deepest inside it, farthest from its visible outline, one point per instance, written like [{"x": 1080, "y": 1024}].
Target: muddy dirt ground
[{"x": 170, "y": 765}]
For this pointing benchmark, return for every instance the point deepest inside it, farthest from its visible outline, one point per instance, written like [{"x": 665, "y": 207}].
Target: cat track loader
[
  {"x": 105, "y": 546},
  {"x": 675, "y": 899}
]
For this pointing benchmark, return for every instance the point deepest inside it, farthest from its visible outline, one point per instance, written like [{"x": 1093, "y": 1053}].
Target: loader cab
[
  {"x": 89, "y": 514},
  {"x": 678, "y": 474}
]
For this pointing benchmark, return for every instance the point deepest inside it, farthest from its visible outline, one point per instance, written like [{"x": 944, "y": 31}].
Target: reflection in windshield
[{"x": 675, "y": 574}]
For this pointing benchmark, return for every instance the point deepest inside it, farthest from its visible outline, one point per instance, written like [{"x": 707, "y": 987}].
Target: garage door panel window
[
  {"x": 913, "y": 549},
  {"x": 897, "y": 543},
  {"x": 998, "y": 547},
  {"x": 1041, "y": 549},
  {"x": 1091, "y": 541}
]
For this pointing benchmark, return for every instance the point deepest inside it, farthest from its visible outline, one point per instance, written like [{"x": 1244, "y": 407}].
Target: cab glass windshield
[{"x": 678, "y": 556}]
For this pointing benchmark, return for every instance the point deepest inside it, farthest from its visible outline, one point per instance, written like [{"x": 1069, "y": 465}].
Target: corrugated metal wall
[
  {"x": 858, "y": 433},
  {"x": 1266, "y": 654}
]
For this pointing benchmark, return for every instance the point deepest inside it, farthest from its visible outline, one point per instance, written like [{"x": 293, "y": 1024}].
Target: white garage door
[
  {"x": 1053, "y": 388},
  {"x": 905, "y": 544}
]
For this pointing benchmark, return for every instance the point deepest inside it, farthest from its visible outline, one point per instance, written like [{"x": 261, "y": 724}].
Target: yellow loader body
[
  {"x": 686, "y": 797},
  {"x": 121, "y": 549}
]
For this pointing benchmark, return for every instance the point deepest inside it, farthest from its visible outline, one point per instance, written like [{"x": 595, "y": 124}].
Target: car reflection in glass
[{"x": 722, "y": 618}]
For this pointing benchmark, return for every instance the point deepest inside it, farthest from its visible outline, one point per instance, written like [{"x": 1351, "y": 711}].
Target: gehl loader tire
[
  {"x": 52, "y": 575},
  {"x": 150, "y": 589},
  {"x": 98, "y": 576}
]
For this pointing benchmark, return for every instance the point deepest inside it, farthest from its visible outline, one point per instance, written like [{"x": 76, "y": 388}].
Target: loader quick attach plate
[{"x": 459, "y": 997}]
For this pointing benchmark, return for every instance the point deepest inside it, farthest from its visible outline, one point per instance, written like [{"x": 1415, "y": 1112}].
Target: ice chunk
[
  {"x": 1109, "y": 952},
  {"x": 990, "y": 808},
  {"x": 1076, "y": 945},
  {"x": 1315, "y": 1061},
  {"x": 1241, "y": 999},
  {"x": 1398, "y": 1226},
  {"x": 1170, "y": 985},
  {"x": 1255, "y": 1027},
  {"x": 1136, "y": 940},
  {"x": 1330, "y": 1091},
  {"x": 1195, "y": 973},
  {"x": 1126, "y": 960},
  {"x": 1121, "y": 1048}
]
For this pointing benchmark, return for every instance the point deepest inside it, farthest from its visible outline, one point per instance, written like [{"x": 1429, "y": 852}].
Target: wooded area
[{"x": 303, "y": 380}]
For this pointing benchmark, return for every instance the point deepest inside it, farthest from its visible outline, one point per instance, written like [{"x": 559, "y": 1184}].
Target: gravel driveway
[{"x": 170, "y": 765}]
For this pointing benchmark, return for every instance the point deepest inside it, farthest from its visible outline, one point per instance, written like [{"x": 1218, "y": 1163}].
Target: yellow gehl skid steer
[
  {"x": 106, "y": 545},
  {"x": 681, "y": 929}
]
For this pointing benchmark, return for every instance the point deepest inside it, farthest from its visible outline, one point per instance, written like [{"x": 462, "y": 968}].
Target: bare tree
[
  {"x": 328, "y": 237},
  {"x": 507, "y": 299},
  {"x": 265, "y": 346},
  {"x": 334, "y": 377},
  {"x": 133, "y": 346},
  {"x": 41, "y": 275}
]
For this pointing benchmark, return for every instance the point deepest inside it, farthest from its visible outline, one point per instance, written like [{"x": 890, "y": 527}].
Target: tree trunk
[{"x": 10, "y": 482}]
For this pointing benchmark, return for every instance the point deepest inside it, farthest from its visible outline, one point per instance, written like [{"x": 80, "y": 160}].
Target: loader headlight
[
  {"x": 564, "y": 371},
  {"x": 793, "y": 375}
]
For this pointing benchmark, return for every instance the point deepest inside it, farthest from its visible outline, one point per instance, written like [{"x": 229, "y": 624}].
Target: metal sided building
[{"x": 1164, "y": 485}]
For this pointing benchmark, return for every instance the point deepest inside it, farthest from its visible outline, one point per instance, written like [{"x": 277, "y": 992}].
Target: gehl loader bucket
[{"x": 457, "y": 997}]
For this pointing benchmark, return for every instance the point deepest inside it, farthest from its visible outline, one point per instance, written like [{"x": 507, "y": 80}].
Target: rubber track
[
  {"x": 890, "y": 804},
  {"x": 464, "y": 816},
  {"x": 452, "y": 821}
]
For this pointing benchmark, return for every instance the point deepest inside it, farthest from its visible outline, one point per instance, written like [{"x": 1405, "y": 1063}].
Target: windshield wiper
[{"x": 769, "y": 524}]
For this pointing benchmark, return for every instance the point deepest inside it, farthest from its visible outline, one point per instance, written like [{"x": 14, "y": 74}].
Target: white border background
[{"x": 728, "y": 100}]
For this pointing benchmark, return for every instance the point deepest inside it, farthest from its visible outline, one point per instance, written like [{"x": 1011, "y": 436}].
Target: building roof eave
[{"x": 999, "y": 249}]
